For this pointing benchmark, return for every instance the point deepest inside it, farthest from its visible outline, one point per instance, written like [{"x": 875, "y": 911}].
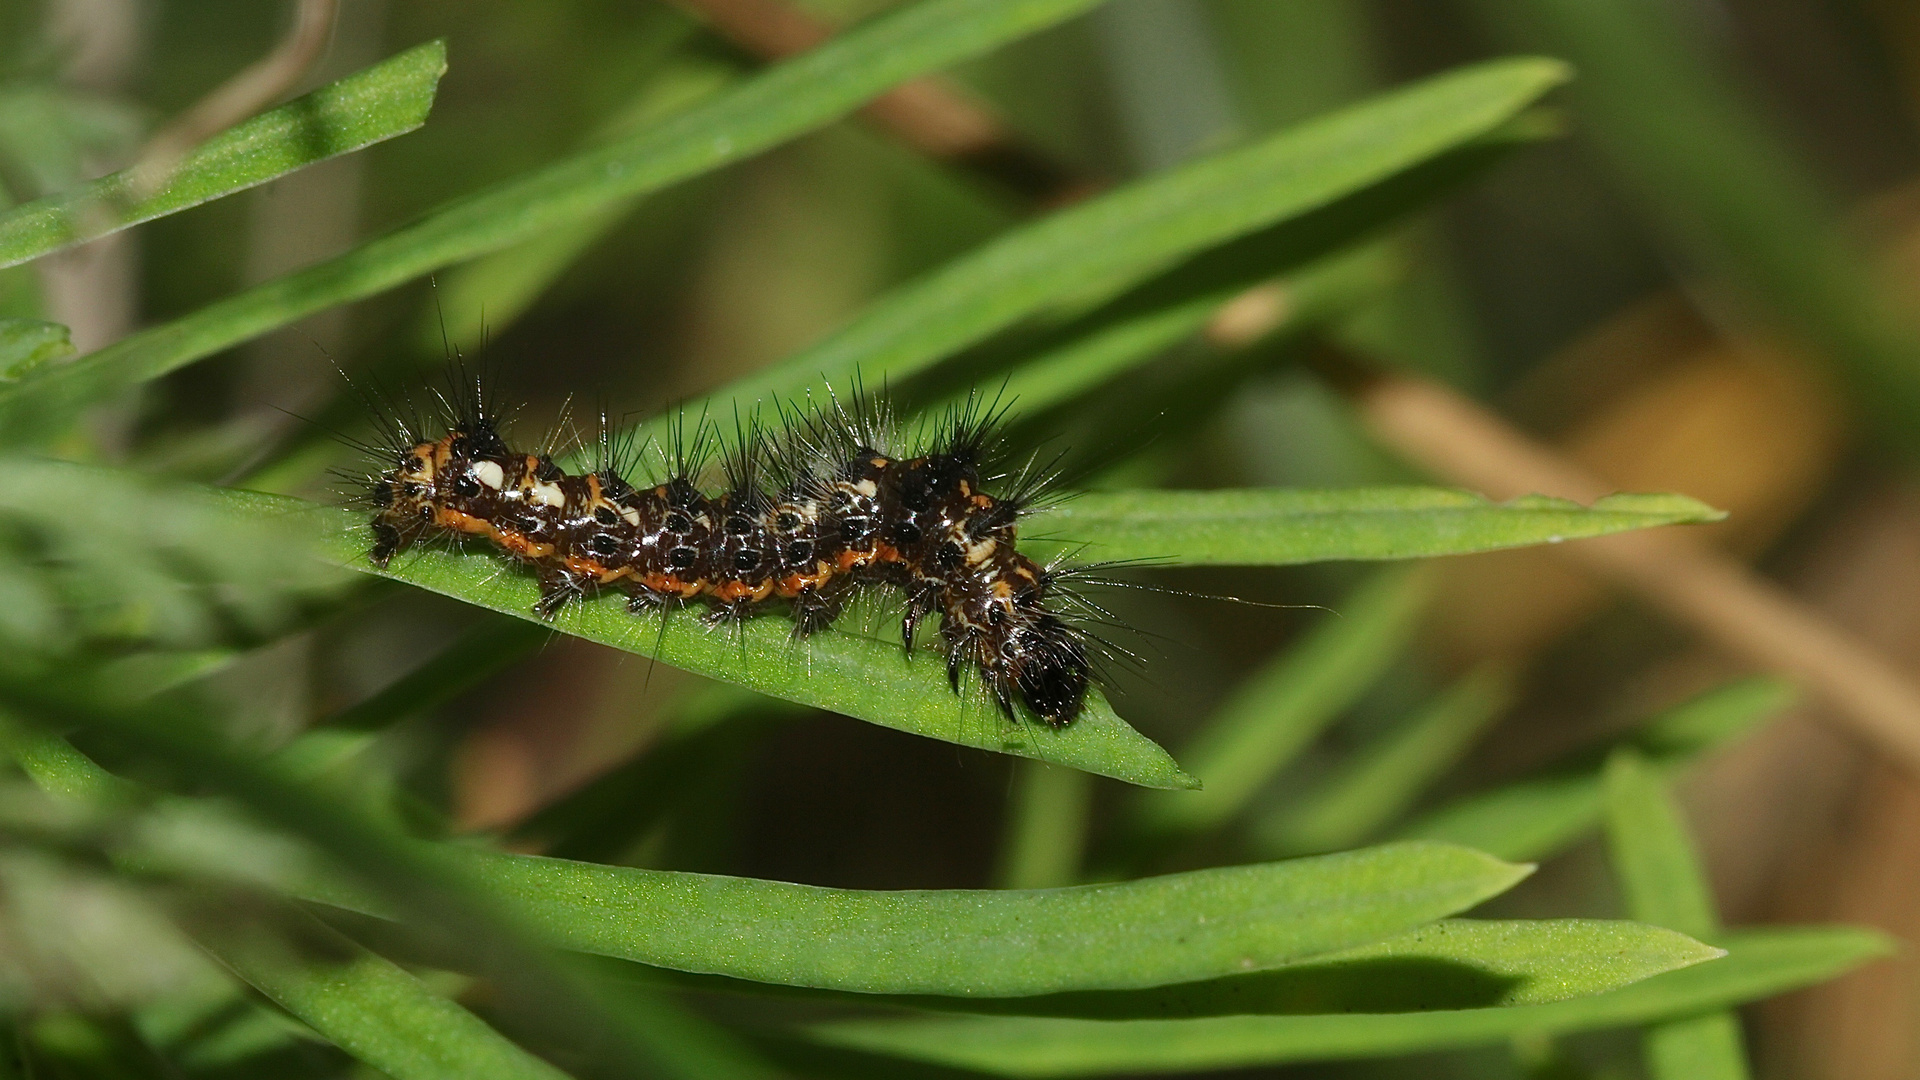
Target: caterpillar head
[{"x": 1045, "y": 661}]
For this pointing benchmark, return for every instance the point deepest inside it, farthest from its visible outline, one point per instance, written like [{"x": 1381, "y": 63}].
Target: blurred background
[{"x": 1681, "y": 293}]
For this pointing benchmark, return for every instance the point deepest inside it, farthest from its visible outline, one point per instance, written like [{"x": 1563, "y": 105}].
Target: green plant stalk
[
  {"x": 1276, "y": 712},
  {"x": 1759, "y": 964},
  {"x": 1536, "y": 817},
  {"x": 1652, "y": 854},
  {"x": 1661, "y": 878},
  {"x": 1381, "y": 780},
  {"x": 388, "y": 99},
  {"x": 788, "y": 100},
  {"x": 1047, "y": 828}
]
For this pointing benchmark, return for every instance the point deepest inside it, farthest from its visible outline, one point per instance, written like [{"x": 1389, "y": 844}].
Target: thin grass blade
[
  {"x": 1536, "y": 817},
  {"x": 1759, "y": 964},
  {"x": 1274, "y": 527},
  {"x": 1279, "y": 710},
  {"x": 1661, "y": 877},
  {"x": 386, "y": 100},
  {"x": 1382, "y": 779}
]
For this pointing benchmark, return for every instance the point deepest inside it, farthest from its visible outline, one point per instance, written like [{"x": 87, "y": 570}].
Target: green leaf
[
  {"x": 1278, "y": 710},
  {"x": 1271, "y": 527},
  {"x": 477, "y": 656},
  {"x": 488, "y": 294},
  {"x": 788, "y": 100},
  {"x": 25, "y": 344},
  {"x": 1329, "y": 269},
  {"x": 1382, "y": 779},
  {"x": 1652, "y": 855},
  {"x": 1662, "y": 881},
  {"x": 1087, "y": 353},
  {"x": 1706, "y": 1047},
  {"x": 1536, "y": 817},
  {"x": 388, "y": 99},
  {"x": 1137, "y": 230},
  {"x": 972, "y": 943},
  {"x": 1758, "y": 964},
  {"x": 838, "y": 669},
  {"x": 1450, "y": 964},
  {"x": 368, "y": 1006}
]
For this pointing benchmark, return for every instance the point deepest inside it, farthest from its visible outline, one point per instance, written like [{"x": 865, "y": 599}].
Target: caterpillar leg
[
  {"x": 387, "y": 542},
  {"x": 556, "y": 588},
  {"x": 727, "y": 614},
  {"x": 921, "y": 603},
  {"x": 814, "y": 612},
  {"x": 1003, "y": 696}
]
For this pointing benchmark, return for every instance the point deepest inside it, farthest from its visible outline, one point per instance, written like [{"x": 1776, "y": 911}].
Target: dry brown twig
[
  {"x": 255, "y": 87},
  {"x": 1444, "y": 432}
]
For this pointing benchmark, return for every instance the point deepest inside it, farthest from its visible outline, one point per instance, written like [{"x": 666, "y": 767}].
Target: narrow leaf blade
[
  {"x": 1384, "y": 777},
  {"x": 1535, "y": 817},
  {"x": 1450, "y": 964},
  {"x": 391, "y": 98},
  {"x": 838, "y": 669},
  {"x": 1759, "y": 964},
  {"x": 1133, "y": 232},
  {"x": 372, "y": 1009},
  {"x": 1274, "y": 527},
  {"x": 1652, "y": 854},
  {"x": 1277, "y": 711},
  {"x": 1176, "y": 928}
]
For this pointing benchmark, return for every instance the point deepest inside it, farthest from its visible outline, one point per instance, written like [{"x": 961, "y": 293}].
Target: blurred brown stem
[
  {"x": 258, "y": 85},
  {"x": 1457, "y": 439}
]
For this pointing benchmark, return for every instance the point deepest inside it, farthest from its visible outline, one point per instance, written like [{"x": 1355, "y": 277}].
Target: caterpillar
[{"x": 832, "y": 501}]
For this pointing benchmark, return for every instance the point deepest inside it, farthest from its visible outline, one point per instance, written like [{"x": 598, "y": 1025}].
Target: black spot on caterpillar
[{"x": 829, "y": 503}]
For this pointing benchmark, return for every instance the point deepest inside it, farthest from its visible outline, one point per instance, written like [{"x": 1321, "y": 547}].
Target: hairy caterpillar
[{"x": 809, "y": 514}]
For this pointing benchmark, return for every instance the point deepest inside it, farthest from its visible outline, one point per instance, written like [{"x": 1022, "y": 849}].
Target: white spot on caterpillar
[
  {"x": 867, "y": 488},
  {"x": 549, "y": 494},
  {"x": 490, "y": 473},
  {"x": 632, "y": 516},
  {"x": 981, "y": 551}
]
